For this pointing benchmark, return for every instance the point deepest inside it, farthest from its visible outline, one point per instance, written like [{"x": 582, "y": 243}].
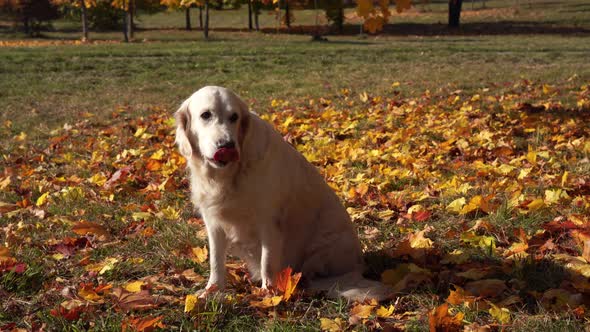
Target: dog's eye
[
  {"x": 205, "y": 115},
  {"x": 233, "y": 117}
]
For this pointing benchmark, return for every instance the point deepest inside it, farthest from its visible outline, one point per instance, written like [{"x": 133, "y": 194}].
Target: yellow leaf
[
  {"x": 385, "y": 312},
  {"x": 139, "y": 131},
  {"x": 473, "y": 205},
  {"x": 134, "y": 286},
  {"x": 456, "y": 205},
  {"x": 200, "y": 254},
  {"x": 564, "y": 178},
  {"x": 267, "y": 302},
  {"x": 531, "y": 156},
  {"x": 42, "y": 199},
  {"x": 98, "y": 179},
  {"x": 553, "y": 196},
  {"x": 482, "y": 241},
  {"x": 502, "y": 315},
  {"x": 5, "y": 182},
  {"x": 158, "y": 155},
  {"x": 102, "y": 267},
  {"x": 335, "y": 325},
  {"x": 58, "y": 256},
  {"x": 536, "y": 204},
  {"x": 362, "y": 310},
  {"x": 189, "y": 302}
]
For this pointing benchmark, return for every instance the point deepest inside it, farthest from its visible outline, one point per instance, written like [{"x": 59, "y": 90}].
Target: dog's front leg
[
  {"x": 217, "y": 253},
  {"x": 271, "y": 255}
]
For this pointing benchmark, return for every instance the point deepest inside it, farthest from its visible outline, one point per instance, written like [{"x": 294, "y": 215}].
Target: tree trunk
[
  {"x": 26, "y": 24},
  {"x": 130, "y": 10},
  {"x": 187, "y": 16},
  {"x": 206, "y": 29},
  {"x": 340, "y": 22},
  {"x": 201, "y": 17},
  {"x": 84, "y": 21},
  {"x": 125, "y": 35},
  {"x": 287, "y": 15},
  {"x": 249, "y": 15},
  {"x": 454, "y": 13},
  {"x": 256, "y": 8}
]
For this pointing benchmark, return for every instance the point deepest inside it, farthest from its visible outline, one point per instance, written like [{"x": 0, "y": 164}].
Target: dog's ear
[{"x": 183, "y": 121}]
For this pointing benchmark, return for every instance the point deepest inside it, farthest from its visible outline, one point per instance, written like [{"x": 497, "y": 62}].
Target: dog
[{"x": 258, "y": 195}]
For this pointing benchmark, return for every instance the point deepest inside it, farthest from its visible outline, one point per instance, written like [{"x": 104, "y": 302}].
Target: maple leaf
[
  {"x": 286, "y": 282},
  {"x": 91, "y": 293},
  {"x": 143, "y": 324},
  {"x": 119, "y": 176},
  {"x": 385, "y": 312},
  {"x": 190, "y": 302},
  {"x": 87, "y": 227},
  {"x": 134, "y": 286},
  {"x": 267, "y": 302},
  {"x": 459, "y": 296},
  {"x": 332, "y": 325},
  {"x": 199, "y": 254},
  {"x": 439, "y": 319},
  {"x": 127, "y": 301},
  {"x": 502, "y": 315}
]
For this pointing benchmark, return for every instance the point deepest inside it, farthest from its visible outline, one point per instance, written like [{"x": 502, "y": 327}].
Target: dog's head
[{"x": 211, "y": 124}]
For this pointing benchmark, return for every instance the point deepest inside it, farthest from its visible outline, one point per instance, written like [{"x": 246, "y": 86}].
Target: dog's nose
[{"x": 227, "y": 145}]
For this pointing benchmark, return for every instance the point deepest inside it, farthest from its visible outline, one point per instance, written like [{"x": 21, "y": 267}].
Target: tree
[
  {"x": 127, "y": 6},
  {"x": 454, "y": 13},
  {"x": 374, "y": 19},
  {"x": 31, "y": 13},
  {"x": 83, "y": 5},
  {"x": 186, "y": 6}
]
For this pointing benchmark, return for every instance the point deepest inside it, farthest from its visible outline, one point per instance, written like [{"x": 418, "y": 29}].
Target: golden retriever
[{"x": 261, "y": 197}]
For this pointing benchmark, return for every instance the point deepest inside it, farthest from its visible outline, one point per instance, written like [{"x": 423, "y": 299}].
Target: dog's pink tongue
[{"x": 226, "y": 155}]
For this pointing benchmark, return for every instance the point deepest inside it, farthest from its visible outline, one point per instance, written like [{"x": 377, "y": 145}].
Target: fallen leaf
[
  {"x": 286, "y": 282},
  {"x": 439, "y": 319},
  {"x": 332, "y": 325}
]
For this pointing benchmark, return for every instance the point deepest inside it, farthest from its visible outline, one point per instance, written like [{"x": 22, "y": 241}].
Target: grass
[{"x": 80, "y": 106}]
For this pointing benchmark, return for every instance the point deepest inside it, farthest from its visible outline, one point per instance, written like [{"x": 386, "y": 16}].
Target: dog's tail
[{"x": 352, "y": 286}]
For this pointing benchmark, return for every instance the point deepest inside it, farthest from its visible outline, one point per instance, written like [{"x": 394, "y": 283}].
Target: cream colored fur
[{"x": 271, "y": 208}]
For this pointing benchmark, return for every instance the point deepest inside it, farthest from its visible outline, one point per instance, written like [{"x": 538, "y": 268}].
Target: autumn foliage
[{"x": 479, "y": 202}]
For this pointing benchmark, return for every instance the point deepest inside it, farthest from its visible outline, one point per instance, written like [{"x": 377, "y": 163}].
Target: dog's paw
[{"x": 267, "y": 283}]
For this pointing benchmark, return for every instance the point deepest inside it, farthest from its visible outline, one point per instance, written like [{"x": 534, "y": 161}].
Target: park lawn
[{"x": 462, "y": 158}]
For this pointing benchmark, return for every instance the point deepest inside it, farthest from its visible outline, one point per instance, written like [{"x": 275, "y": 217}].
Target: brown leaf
[
  {"x": 486, "y": 287},
  {"x": 127, "y": 301},
  {"x": 87, "y": 227}
]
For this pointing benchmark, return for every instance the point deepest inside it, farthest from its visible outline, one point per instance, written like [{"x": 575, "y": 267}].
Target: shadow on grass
[{"x": 538, "y": 284}]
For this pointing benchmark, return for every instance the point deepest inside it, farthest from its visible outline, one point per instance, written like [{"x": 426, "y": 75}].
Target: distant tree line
[{"x": 31, "y": 15}]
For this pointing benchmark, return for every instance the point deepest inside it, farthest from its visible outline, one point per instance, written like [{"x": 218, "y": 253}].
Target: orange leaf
[
  {"x": 460, "y": 296},
  {"x": 85, "y": 227},
  {"x": 286, "y": 283},
  {"x": 440, "y": 320},
  {"x": 145, "y": 324},
  {"x": 153, "y": 165}
]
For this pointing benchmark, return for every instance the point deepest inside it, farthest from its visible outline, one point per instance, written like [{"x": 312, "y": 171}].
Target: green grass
[{"x": 43, "y": 86}]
